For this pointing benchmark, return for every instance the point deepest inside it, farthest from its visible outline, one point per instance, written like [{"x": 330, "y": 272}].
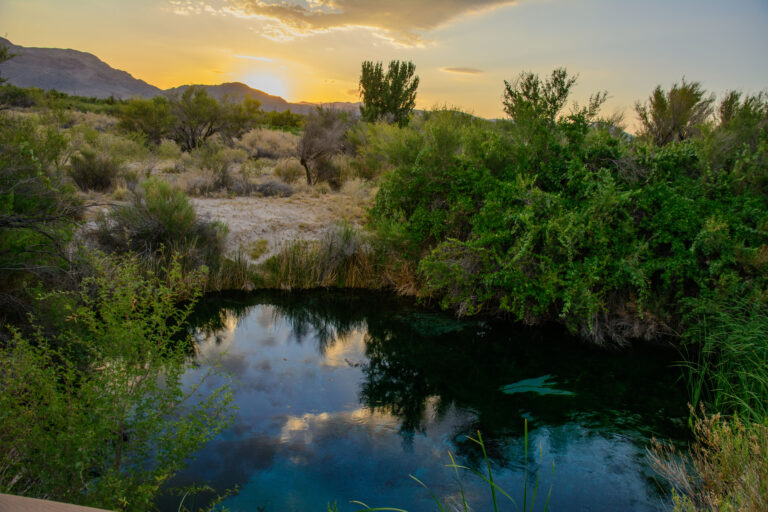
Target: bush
[
  {"x": 159, "y": 223},
  {"x": 274, "y": 188},
  {"x": 264, "y": 143},
  {"x": 168, "y": 149},
  {"x": 98, "y": 413},
  {"x": 289, "y": 170},
  {"x": 725, "y": 469},
  {"x": 93, "y": 171}
]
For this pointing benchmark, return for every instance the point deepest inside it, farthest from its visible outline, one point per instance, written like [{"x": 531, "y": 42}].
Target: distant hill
[
  {"x": 71, "y": 72},
  {"x": 84, "y": 74},
  {"x": 238, "y": 91}
]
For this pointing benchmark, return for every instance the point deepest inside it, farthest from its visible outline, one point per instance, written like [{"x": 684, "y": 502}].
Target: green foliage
[
  {"x": 160, "y": 223},
  {"x": 5, "y": 54},
  {"x": 389, "y": 96},
  {"x": 38, "y": 211},
  {"x": 199, "y": 116},
  {"x": 285, "y": 120},
  {"x": 97, "y": 413},
  {"x": 151, "y": 117},
  {"x": 91, "y": 170},
  {"x": 674, "y": 115},
  {"x": 560, "y": 217}
]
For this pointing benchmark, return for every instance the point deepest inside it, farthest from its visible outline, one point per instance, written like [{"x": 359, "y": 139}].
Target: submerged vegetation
[{"x": 554, "y": 215}]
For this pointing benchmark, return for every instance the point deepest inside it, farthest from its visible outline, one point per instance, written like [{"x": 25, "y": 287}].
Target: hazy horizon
[{"x": 311, "y": 50}]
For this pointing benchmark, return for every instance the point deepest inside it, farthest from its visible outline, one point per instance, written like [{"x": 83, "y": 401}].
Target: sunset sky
[{"x": 311, "y": 50}]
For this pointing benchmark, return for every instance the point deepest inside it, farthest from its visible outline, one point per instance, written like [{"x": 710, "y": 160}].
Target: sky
[{"x": 464, "y": 50}]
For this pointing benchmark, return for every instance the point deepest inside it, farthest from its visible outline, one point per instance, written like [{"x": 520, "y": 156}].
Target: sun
[{"x": 268, "y": 83}]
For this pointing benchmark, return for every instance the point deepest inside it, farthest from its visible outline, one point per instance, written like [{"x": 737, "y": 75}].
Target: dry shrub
[
  {"x": 289, "y": 170},
  {"x": 264, "y": 143},
  {"x": 274, "y": 188},
  {"x": 725, "y": 470},
  {"x": 92, "y": 170},
  {"x": 168, "y": 150}
]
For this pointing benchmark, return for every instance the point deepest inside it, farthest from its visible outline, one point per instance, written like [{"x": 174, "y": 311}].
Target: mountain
[
  {"x": 238, "y": 91},
  {"x": 71, "y": 72},
  {"x": 84, "y": 74}
]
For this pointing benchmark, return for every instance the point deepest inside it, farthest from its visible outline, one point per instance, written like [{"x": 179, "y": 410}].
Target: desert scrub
[
  {"x": 92, "y": 170},
  {"x": 289, "y": 170},
  {"x": 264, "y": 143},
  {"x": 168, "y": 150},
  {"x": 158, "y": 222}
]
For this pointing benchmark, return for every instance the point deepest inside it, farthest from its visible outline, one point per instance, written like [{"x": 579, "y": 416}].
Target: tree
[
  {"x": 152, "y": 117},
  {"x": 324, "y": 136},
  {"x": 391, "y": 96},
  {"x": 674, "y": 115},
  {"x": 198, "y": 116}
]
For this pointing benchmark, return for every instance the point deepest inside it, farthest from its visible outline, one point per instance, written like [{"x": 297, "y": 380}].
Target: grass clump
[
  {"x": 341, "y": 258},
  {"x": 92, "y": 170},
  {"x": 265, "y": 143}
]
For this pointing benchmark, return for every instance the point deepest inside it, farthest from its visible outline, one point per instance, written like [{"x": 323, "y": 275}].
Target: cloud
[
  {"x": 463, "y": 71},
  {"x": 403, "y": 22},
  {"x": 253, "y": 57}
]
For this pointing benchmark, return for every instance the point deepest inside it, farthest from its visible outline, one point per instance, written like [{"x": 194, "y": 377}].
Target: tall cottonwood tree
[{"x": 389, "y": 96}]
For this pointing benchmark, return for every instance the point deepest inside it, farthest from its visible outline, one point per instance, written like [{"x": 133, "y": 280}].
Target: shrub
[
  {"x": 725, "y": 469},
  {"x": 168, "y": 149},
  {"x": 91, "y": 170},
  {"x": 674, "y": 115},
  {"x": 264, "y": 143},
  {"x": 98, "y": 413},
  {"x": 274, "y": 188},
  {"x": 158, "y": 223},
  {"x": 289, "y": 170},
  {"x": 152, "y": 117}
]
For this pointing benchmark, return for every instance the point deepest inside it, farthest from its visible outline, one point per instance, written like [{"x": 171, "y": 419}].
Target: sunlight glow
[{"x": 268, "y": 83}]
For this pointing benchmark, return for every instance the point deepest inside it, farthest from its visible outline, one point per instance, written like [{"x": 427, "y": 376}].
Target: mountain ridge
[{"x": 83, "y": 74}]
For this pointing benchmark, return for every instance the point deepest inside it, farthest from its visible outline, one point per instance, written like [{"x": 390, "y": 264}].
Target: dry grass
[
  {"x": 289, "y": 170},
  {"x": 725, "y": 470},
  {"x": 265, "y": 143}
]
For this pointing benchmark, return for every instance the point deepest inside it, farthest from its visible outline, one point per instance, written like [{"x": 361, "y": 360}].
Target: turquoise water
[{"x": 342, "y": 396}]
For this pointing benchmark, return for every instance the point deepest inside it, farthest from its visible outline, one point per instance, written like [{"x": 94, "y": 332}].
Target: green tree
[
  {"x": 5, "y": 54},
  {"x": 151, "y": 117},
  {"x": 676, "y": 114},
  {"x": 389, "y": 96}
]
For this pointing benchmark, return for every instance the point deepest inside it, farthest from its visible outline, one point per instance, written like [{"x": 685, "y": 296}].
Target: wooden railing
[{"x": 9, "y": 503}]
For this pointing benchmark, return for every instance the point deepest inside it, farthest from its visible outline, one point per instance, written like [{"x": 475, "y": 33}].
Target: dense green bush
[{"x": 560, "y": 216}]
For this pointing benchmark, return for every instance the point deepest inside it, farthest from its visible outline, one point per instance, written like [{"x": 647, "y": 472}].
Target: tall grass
[
  {"x": 341, "y": 258},
  {"x": 728, "y": 360}
]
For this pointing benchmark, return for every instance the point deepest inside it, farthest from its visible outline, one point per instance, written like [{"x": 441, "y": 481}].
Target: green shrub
[
  {"x": 158, "y": 223},
  {"x": 168, "y": 149},
  {"x": 97, "y": 414},
  {"x": 91, "y": 170}
]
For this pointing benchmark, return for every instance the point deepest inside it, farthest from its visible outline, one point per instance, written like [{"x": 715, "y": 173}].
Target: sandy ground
[{"x": 303, "y": 216}]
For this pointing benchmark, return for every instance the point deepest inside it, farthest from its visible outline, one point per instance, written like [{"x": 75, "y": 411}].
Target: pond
[{"x": 344, "y": 396}]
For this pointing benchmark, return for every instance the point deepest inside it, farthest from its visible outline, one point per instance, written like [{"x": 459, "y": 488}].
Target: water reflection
[{"x": 342, "y": 396}]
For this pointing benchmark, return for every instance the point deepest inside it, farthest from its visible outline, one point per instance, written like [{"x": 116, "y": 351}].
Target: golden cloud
[
  {"x": 403, "y": 22},
  {"x": 463, "y": 71}
]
